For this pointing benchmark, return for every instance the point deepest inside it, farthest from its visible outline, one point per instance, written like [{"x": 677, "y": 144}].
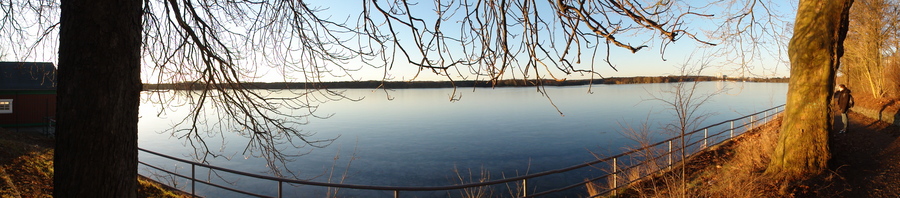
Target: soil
[{"x": 865, "y": 161}]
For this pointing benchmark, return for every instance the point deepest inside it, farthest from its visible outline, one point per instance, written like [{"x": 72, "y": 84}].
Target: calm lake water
[{"x": 419, "y": 138}]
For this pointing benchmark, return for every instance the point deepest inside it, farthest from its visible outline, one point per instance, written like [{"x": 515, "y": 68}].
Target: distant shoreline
[{"x": 449, "y": 84}]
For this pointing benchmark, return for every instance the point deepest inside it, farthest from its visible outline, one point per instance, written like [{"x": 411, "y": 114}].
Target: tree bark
[
  {"x": 815, "y": 51},
  {"x": 98, "y": 97}
]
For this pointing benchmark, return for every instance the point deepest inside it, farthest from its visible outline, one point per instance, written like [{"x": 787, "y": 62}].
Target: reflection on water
[{"x": 419, "y": 138}]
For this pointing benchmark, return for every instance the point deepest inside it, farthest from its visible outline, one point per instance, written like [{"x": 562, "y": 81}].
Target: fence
[{"x": 691, "y": 146}]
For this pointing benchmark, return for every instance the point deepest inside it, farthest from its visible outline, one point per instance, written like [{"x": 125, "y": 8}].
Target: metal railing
[
  {"x": 698, "y": 145},
  {"x": 612, "y": 176}
]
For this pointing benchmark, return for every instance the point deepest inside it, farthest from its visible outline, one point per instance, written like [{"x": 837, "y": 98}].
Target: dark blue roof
[{"x": 27, "y": 76}]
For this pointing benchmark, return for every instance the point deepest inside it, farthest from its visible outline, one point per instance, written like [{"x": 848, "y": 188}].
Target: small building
[{"x": 27, "y": 94}]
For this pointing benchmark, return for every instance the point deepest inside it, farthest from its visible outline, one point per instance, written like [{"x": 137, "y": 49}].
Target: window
[{"x": 6, "y": 106}]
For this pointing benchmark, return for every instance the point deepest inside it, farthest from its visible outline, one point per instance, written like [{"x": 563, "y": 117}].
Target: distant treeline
[{"x": 446, "y": 84}]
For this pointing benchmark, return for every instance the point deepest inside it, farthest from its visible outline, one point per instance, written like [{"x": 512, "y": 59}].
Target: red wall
[{"x": 29, "y": 109}]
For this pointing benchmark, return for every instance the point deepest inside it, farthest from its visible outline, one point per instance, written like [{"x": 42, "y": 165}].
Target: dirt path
[{"x": 865, "y": 161}]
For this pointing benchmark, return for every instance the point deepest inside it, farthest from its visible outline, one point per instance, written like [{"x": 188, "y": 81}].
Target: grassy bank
[
  {"x": 732, "y": 169},
  {"x": 26, "y": 168}
]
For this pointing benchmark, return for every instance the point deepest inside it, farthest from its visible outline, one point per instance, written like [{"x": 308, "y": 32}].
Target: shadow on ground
[{"x": 865, "y": 161}]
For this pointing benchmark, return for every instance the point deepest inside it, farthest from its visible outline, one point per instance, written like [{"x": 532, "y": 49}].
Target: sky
[
  {"x": 650, "y": 61},
  {"x": 770, "y": 62}
]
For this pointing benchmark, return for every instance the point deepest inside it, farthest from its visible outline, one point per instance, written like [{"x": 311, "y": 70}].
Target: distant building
[{"x": 27, "y": 93}]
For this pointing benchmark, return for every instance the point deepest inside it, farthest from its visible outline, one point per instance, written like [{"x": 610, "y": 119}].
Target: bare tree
[
  {"x": 892, "y": 51},
  {"x": 684, "y": 102},
  {"x": 868, "y": 47}
]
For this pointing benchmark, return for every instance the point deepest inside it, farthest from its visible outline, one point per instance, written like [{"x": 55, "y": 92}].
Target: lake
[{"x": 421, "y": 138}]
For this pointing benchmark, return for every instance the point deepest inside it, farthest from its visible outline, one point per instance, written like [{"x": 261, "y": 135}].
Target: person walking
[{"x": 844, "y": 102}]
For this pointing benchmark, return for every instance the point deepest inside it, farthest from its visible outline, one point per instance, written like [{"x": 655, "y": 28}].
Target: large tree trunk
[
  {"x": 98, "y": 97},
  {"x": 815, "y": 51}
]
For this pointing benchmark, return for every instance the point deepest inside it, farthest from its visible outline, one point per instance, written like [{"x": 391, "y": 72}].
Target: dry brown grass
[
  {"x": 733, "y": 169},
  {"x": 26, "y": 165},
  {"x": 150, "y": 188},
  {"x": 26, "y": 168},
  {"x": 741, "y": 175}
]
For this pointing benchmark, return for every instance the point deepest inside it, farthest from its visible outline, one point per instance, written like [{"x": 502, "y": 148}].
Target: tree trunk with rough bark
[
  {"x": 98, "y": 97},
  {"x": 815, "y": 51}
]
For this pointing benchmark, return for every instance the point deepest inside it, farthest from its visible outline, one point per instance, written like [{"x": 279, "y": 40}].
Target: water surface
[{"x": 420, "y": 137}]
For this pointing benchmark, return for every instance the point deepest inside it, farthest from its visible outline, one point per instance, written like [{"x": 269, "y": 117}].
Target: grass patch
[
  {"x": 150, "y": 188},
  {"x": 741, "y": 174},
  {"x": 26, "y": 168}
]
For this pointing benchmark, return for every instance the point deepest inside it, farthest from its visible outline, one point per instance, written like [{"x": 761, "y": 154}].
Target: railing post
[
  {"x": 615, "y": 175},
  {"x": 670, "y": 153},
  {"x": 524, "y": 187},
  {"x": 193, "y": 180},
  {"x": 705, "y": 137},
  {"x": 732, "y": 129},
  {"x": 279, "y": 189},
  {"x": 396, "y": 193},
  {"x": 751, "y": 123}
]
